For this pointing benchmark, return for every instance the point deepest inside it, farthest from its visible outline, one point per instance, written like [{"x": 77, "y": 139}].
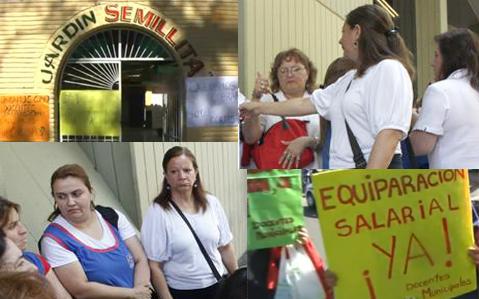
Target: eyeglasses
[{"x": 293, "y": 70}]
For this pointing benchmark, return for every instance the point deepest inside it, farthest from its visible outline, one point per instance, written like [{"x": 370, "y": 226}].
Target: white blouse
[
  {"x": 57, "y": 255},
  {"x": 168, "y": 240},
  {"x": 450, "y": 110},
  {"x": 381, "y": 99}
]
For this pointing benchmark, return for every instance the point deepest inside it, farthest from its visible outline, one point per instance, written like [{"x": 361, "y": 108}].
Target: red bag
[{"x": 268, "y": 151}]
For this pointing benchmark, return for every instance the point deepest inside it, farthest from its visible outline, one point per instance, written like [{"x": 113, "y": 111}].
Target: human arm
[
  {"x": 60, "y": 292},
  {"x": 159, "y": 280},
  {"x": 75, "y": 281},
  {"x": 251, "y": 127},
  {"x": 430, "y": 121},
  {"x": 291, "y": 107},
  {"x": 142, "y": 271},
  {"x": 228, "y": 257},
  {"x": 383, "y": 149},
  {"x": 422, "y": 142}
]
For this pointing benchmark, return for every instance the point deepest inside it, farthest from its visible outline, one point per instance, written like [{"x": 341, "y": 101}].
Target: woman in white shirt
[
  {"x": 375, "y": 100},
  {"x": 179, "y": 268},
  {"x": 93, "y": 255},
  {"x": 447, "y": 129}
]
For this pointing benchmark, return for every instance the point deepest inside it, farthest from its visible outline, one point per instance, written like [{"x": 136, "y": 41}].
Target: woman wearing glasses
[
  {"x": 293, "y": 76},
  {"x": 375, "y": 100}
]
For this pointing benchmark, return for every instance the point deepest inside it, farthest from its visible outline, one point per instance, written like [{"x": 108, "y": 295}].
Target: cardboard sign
[
  {"x": 212, "y": 101},
  {"x": 275, "y": 212},
  {"x": 90, "y": 112},
  {"x": 24, "y": 118},
  {"x": 397, "y": 234}
]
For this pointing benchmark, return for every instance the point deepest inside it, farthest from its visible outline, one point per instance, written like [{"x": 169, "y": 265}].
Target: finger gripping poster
[{"x": 397, "y": 234}]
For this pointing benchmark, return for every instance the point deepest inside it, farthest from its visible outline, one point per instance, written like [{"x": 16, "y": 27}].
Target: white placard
[{"x": 212, "y": 101}]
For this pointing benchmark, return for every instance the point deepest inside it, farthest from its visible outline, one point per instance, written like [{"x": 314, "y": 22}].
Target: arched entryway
[{"x": 120, "y": 84}]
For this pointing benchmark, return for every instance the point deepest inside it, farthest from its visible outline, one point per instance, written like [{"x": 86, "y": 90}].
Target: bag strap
[
  {"x": 319, "y": 266},
  {"x": 284, "y": 123},
  {"x": 358, "y": 156},
  {"x": 109, "y": 215},
  {"x": 202, "y": 248}
]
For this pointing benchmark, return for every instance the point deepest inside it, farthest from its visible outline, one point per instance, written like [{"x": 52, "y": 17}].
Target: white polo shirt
[
  {"x": 450, "y": 110},
  {"x": 380, "y": 99}
]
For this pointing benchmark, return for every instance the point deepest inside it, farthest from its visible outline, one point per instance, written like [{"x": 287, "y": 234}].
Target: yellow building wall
[
  {"x": 270, "y": 26},
  {"x": 26, "y": 26},
  {"x": 431, "y": 19}
]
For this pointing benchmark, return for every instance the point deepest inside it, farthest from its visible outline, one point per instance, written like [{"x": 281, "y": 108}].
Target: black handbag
[
  {"x": 358, "y": 156},
  {"x": 217, "y": 275}
]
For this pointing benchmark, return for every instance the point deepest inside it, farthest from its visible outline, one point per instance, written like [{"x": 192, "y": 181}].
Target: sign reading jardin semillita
[{"x": 135, "y": 15}]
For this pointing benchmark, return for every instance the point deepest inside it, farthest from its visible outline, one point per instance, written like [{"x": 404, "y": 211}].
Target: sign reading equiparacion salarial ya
[{"x": 397, "y": 234}]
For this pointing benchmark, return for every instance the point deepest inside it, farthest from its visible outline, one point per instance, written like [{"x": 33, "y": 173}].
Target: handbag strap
[
  {"x": 284, "y": 123},
  {"x": 202, "y": 248},
  {"x": 358, "y": 156}
]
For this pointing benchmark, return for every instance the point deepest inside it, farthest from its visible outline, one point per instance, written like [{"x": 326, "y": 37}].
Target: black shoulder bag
[
  {"x": 217, "y": 275},
  {"x": 358, "y": 156}
]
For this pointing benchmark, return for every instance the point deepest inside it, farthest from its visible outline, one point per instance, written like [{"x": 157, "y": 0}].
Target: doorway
[{"x": 120, "y": 85}]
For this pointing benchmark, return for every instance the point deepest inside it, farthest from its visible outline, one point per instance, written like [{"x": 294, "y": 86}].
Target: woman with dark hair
[
  {"x": 292, "y": 75},
  {"x": 93, "y": 254},
  {"x": 374, "y": 101},
  {"x": 14, "y": 230},
  {"x": 179, "y": 268},
  {"x": 447, "y": 129}
]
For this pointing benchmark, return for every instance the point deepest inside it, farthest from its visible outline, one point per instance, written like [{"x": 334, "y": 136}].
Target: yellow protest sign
[
  {"x": 397, "y": 234},
  {"x": 90, "y": 112}
]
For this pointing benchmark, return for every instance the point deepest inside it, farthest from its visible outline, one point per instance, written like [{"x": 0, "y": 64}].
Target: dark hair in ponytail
[
  {"x": 379, "y": 39},
  {"x": 459, "y": 50}
]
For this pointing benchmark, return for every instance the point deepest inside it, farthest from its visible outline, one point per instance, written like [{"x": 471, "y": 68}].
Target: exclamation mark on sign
[
  {"x": 369, "y": 283},
  {"x": 448, "y": 241}
]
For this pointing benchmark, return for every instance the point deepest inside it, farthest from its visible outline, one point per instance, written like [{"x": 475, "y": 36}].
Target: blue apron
[
  {"x": 35, "y": 259},
  {"x": 112, "y": 266}
]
